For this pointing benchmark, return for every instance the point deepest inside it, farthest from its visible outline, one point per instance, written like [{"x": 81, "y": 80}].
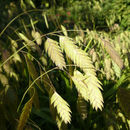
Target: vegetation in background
[{"x": 65, "y": 64}]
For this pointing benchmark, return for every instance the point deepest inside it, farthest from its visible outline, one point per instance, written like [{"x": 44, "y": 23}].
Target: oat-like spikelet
[
  {"x": 25, "y": 114},
  {"x": 82, "y": 107},
  {"x": 114, "y": 55},
  {"x": 82, "y": 60},
  {"x": 54, "y": 52},
  {"x": 78, "y": 56},
  {"x": 81, "y": 87},
  {"x": 89, "y": 89},
  {"x": 62, "y": 107}
]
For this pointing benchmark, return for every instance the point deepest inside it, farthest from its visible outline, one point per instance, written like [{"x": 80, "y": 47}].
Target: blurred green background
[{"x": 96, "y": 20}]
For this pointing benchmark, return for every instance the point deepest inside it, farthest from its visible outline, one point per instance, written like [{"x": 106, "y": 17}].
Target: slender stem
[
  {"x": 40, "y": 66},
  {"x": 33, "y": 84},
  {"x": 16, "y": 18},
  {"x": 12, "y": 55},
  {"x": 88, "y": 45},
  {"x": 34, "y": 58}
]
